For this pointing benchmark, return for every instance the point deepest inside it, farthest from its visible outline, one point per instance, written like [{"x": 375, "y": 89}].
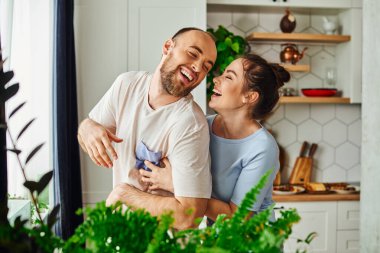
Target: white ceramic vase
[{"x": 329, "y": 26}]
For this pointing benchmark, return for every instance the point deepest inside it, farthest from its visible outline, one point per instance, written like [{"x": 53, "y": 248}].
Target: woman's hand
[{"x": 159, "y": 178}]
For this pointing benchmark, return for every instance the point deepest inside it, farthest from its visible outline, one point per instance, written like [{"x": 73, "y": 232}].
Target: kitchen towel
[{"x": 143, "y": 153}]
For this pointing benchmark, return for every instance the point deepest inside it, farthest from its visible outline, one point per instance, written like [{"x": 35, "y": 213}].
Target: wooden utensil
[{"x": 301, "y": 172}]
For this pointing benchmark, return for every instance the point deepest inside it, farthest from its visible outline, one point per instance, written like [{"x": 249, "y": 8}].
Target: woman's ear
[
  {"x": 251, "y": 97},
  {"x": 169, "y": 44}
]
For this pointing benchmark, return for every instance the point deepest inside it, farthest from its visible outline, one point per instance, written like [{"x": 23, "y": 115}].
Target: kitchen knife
[
  {"x": 312, "y": 150},
  {"x": 304, "y": 147}
]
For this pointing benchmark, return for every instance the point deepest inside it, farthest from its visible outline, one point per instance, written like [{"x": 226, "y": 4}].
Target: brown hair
[
  {"x": 265, "y": 78},
  {"x": 187, "y": 29}
]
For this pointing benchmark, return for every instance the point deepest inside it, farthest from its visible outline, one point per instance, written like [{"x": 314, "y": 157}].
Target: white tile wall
[
  {"x": 336, "y": 128},
  {"x": 338, "y": 155}
]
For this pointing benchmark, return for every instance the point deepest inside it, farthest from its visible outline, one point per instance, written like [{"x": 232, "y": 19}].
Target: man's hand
[
  {"x": 96, "y": 140},
  {"x": 159, "y": 178}
]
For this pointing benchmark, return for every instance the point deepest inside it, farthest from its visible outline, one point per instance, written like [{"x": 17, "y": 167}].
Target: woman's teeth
[{"x": 217, "y": 93}]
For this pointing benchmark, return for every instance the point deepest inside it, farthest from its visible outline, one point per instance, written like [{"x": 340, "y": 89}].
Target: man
[{"x": 155, "y": 115}]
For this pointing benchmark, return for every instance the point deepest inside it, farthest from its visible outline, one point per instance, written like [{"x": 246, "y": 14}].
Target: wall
[
  {"x": 369, "y": 204},
  {"x": 336, "y": 128}
]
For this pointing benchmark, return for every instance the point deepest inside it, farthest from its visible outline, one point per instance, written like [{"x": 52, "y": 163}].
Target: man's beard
[{"x": 168, "y": 82}]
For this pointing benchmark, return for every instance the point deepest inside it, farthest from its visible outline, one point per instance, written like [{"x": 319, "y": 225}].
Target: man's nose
[{"x": 196, "y": 66}]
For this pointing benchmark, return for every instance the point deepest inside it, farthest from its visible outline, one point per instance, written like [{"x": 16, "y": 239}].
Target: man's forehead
[{"x": 198, "y": 40}]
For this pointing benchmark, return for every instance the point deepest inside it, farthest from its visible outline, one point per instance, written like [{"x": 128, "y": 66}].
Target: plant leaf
[
  {"x": 9, "y": 92},
  {"x": 32, "y": 186},
  {"x": 16, "y": 109},
  {"x": 35, "y": 150},
  {"x": 236, "y": 47},
  {"x": 44, "y": 181},
  {"x": 18, "y": 223},
  {"x": 6, "y": 77},
  {"x": 25, "y": 127},
  {"x": 228, "y": 41},
  {"x": 52, "y": 218},
  {"x": 310, "y": 237},
  {"x": 16, "y": 151},
  {"x": 221, "y": 46}
]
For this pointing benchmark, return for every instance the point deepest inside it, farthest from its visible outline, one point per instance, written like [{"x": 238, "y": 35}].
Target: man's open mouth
[{"x": 187, "y": 74}]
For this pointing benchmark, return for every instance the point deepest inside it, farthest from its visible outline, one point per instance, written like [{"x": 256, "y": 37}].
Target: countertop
[{"x": 303, "y": 197}]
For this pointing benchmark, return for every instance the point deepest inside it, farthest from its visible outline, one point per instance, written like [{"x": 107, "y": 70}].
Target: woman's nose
[{"x": 215, "y": 80}]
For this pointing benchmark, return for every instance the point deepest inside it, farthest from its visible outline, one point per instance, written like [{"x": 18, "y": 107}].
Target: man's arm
[
  {"x": 96, "y": 140},
  {"x": 185, "y": 210}
]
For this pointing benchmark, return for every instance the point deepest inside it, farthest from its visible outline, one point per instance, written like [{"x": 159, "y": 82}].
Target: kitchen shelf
[
  {"x": 298, "y": 37},
  {"x": 314, "y": 100},
  {"x": 296, "y": 68},
  {"x": 316, "y": 197}
]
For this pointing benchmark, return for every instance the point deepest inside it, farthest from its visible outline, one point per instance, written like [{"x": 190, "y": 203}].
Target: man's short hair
[{"x": 187, "y": 29}]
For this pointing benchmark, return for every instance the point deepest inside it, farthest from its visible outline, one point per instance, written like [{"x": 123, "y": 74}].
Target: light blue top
[{"x": 238, "y": 164}]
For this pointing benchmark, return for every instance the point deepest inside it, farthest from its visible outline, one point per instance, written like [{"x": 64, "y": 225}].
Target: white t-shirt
[{"x": 179, "y": 130}]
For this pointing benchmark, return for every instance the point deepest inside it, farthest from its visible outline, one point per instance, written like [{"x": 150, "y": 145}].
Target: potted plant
[{"x": 229, "y": 46}]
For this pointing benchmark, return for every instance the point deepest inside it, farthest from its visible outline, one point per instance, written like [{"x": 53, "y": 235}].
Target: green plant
[
  {"x": 109, "y": 229},
  {"x": 229, "y": 47}
]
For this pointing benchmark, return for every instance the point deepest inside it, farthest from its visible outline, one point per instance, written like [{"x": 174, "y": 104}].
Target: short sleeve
[
  {"x": 251, "y": 174},
  {"x": 190, "y": 161},
  {"x": 106, "y": 109}
]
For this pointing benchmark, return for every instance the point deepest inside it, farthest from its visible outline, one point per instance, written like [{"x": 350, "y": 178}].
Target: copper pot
[{"x": 290, "y": 53}]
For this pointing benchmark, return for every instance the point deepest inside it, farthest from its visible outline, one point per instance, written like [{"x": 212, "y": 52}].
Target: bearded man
[{"x": 154, "y": 116}]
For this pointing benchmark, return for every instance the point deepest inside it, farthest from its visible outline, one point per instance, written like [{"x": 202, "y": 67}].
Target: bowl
[{"x": 319, "y": 92}]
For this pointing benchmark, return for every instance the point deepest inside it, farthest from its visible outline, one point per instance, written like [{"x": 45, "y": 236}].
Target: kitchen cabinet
[
  {"x": 151, "y": 23},
  {"x": 335, "y": 222},
  {"x": 347, "y": 47}
]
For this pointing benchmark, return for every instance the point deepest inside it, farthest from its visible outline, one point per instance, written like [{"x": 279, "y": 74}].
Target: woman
[{"x": 242, "y": 150}]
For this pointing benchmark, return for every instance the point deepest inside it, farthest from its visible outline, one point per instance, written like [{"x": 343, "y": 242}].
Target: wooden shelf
[
  {"x": 314, "y": 100},
  {"x": 316, "y": 197},
  {"x": 298, "y": 37},
  {"x": 296, "y": 68}
]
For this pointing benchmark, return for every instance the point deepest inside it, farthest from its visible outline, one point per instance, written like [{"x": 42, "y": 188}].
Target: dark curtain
[
  {"x": 3, "y": 152},
  {"x": 67, "y": 176}
]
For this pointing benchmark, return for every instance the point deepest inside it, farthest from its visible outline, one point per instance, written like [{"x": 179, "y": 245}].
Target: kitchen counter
[{"x": 303, "y": 197}]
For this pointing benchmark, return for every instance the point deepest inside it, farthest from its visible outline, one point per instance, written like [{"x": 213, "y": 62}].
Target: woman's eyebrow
[{"x": 231, "y": 71}]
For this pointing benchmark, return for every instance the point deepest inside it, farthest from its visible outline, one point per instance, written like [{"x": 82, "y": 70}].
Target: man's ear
[
  {"x": 169, "y": 44},
  {"x": 251, "y": 97}
]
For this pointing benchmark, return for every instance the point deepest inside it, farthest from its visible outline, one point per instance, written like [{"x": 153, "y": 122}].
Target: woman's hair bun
[{"x": 282, "y": 75}]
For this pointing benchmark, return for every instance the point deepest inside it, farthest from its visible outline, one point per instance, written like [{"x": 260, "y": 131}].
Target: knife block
[{"x": 301, "y": 172}]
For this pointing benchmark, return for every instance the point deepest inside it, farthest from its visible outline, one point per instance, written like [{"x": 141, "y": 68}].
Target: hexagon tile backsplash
[{"x": 336, "y": 128}]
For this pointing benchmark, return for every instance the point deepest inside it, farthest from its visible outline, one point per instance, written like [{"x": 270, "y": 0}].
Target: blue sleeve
[{"x": 251, "y": 174}]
